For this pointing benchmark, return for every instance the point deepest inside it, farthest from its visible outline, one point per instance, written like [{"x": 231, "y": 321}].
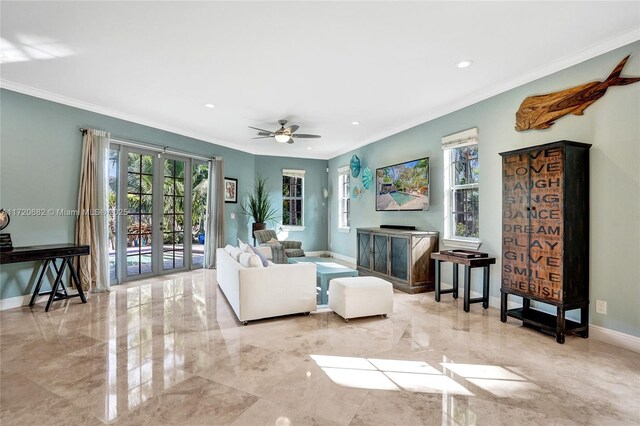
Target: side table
[{"x": 478, "y": 262}]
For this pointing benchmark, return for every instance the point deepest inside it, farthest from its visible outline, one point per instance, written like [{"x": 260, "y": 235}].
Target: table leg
[
  {"x": 485, "y": 287},
  {"x": 503, "y": 306},
  {"x": 467, "y": 287},
  {"x": 438, "y": 265},
  {"x": 324, "y": 288},
  {"x": 75, "y": 277},
  {"x": 455, "y": 280},
  {"x": 36, "y": 290},
  {"x": 560, "y": 325},
  {"x": 584, "y": 320},
  {"x": 54, "y": 288}
]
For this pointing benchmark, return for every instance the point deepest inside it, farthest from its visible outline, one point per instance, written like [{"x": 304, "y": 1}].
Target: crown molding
[
  {"x": 87, "y": 106},
  {"x": 576, "y": 58},
  {"x": 558, "y": 65}
]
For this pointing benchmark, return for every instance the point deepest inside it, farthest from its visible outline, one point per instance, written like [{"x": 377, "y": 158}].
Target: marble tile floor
[{"x": 169, "y": 351}]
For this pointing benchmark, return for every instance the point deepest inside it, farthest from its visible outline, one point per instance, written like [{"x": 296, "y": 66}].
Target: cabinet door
[
  {"x": 364, "y": 250},
  {"x": 399, "y": 258},
  {"x": 380, "y": 253},
  {"x": 546, "y": 224},
  {"x": 515, "y": 223}
]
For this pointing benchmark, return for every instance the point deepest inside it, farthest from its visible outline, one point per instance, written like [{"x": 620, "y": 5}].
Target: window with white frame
[
  {"x": 292, "y": 198},
  {"x": 461, "y": 186},
  {"x": 344, "y": 199}
]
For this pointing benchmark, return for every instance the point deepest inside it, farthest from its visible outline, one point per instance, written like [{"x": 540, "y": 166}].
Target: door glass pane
[
  {"x": 139, "y": 218},
  {"x": 200, "y": 176},
  {"x": 179, "y": 187},
  {"x": 173, "y": 221},
  {"x": 380, "y": 253},
  {"x": 399, "y": 257},
  {"x": 114, "y": 164},
  {"x": 364, "y": 250}
]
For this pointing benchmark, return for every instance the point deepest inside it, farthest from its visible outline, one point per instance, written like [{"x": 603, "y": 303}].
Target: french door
[{"x": 158, "y": 206}]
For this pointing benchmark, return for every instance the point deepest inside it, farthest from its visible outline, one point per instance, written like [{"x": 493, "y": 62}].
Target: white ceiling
[{"x": 321, "y": 65}]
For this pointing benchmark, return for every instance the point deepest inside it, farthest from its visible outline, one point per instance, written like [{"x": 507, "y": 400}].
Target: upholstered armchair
[{"x": 280, "y": 250}]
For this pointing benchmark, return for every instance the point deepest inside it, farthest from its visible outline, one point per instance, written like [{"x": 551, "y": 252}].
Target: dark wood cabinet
[
  {"x": 400, "y": 256},
  {"x": 545, "y": 234}
]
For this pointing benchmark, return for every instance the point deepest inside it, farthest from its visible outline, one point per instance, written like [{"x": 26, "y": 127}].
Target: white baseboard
[
  {"x": 342, "y": 257},
  {"x": 18, "y": 301},
  {"x": 320, "y": 253},
  {"x": 596, "y": 332},
  {"x": 615, "y": 338}
]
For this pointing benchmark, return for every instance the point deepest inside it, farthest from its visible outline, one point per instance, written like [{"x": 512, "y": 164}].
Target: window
[
  {"x": 462, "y": 197},
  {"x": 292, "y": 198},
  {"x": 344, "y": 196}
]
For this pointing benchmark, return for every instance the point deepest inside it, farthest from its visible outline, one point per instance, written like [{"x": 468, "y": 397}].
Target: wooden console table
[
  {"x": 479, "y": 262},
  {"x": 398, "y": 255},
  {"x": 50, "y": 254}
]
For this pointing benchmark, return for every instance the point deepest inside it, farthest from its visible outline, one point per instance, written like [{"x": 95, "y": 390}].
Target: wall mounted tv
[{"x": 403, "y": 187}]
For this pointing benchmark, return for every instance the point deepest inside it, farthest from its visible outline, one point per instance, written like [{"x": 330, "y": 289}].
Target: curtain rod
[{"x": 156, "y": 148}]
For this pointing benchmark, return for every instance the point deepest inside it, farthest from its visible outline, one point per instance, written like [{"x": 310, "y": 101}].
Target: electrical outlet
[
  {"x": 601, "y": 307},
  {"x": 233, "y": 216}
]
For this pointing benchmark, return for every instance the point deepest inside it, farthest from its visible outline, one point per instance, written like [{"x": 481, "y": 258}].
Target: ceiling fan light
[{"x": 282, "y": 137}]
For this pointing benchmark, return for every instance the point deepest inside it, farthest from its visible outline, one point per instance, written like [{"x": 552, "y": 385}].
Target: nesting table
[
  {"x": 326, "y": 270},
  {"x": 469, "y": 263}
]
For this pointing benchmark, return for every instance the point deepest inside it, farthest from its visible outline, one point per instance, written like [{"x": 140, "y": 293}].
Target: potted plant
[{"x": 258, "y": 205}]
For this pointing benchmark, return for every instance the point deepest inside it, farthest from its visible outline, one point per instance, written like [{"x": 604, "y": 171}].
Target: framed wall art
[{"x": 230, "y": 190}]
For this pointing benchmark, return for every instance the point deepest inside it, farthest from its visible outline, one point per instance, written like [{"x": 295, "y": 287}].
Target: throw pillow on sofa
[
  {"x": 235, "y": 253},
  {"x": 250, "y": 260},
  {"x": 262, "y": 257},
  {"x": 244, "y": 246}
]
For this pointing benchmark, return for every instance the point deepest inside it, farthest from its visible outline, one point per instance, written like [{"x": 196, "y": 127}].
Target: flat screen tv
[{"x": 403, "y": 187}]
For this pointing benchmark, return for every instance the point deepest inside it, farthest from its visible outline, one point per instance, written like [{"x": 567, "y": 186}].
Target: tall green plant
[{"x": 258, "y": 204}]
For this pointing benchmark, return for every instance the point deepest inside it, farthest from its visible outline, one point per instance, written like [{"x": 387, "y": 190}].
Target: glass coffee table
[{"x": 326, "y": 270}]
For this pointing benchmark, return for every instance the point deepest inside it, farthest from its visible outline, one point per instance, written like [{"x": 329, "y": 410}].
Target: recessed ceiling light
[
  {"x": 355, "y": 123},
  {"x": 309, "y": 147},
  {"x": 209, "y": 105},
  {"x": 464, "y": 64}
]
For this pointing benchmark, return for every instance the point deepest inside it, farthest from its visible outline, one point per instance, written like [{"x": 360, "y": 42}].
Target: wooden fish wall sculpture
[{"x": 540, "y": 112}]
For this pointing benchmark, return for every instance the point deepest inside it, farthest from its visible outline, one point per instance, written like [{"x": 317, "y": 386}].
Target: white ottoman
[{"x": 354, "y": 297}]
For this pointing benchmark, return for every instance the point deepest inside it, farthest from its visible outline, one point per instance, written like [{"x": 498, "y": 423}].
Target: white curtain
[
  {"x": 214, "y": 226},
  {"x": 93, "y": 220}
]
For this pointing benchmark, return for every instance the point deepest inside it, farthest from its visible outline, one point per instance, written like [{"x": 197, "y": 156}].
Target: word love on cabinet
[{"x": 545, "y": 233}]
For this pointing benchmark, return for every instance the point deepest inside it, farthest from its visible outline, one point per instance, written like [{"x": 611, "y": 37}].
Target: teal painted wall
[
  {"x": 314, "y": 236},
  {"x": 40, "y": 160},
  {"x": 40, "y": 150},
  {"x": 612, "y": 125}
]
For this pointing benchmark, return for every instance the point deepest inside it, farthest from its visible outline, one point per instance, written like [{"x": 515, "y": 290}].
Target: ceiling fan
[{"x": 283, "y": 135}]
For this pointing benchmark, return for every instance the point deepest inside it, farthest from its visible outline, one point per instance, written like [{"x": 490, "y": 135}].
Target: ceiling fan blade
[
  {"x": 290, "y": 141},
  {"x": 261, "y": 137},
  {"x": 266, "y": 134},
  {"x": 262, "y": 130},
  {"x": 302, "y": 135},
  {"x": 293, "y": 128}
]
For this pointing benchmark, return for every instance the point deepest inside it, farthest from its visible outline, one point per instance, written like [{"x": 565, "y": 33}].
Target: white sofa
[{"x": 265, "y": 292}]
